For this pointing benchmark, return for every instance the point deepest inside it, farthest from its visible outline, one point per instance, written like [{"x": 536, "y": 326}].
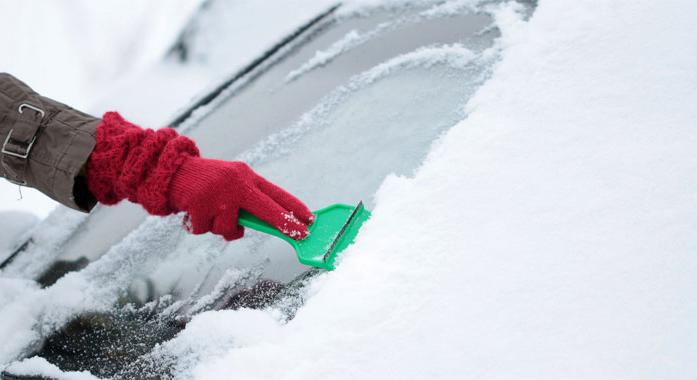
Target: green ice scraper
[{"x": 334, "y": 229}]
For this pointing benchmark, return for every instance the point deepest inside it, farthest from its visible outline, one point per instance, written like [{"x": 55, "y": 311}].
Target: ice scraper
[{"x": 333, "y": 230}]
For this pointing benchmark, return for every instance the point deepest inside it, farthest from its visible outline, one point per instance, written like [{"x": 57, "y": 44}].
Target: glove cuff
[{"x": 137, "y": 164}]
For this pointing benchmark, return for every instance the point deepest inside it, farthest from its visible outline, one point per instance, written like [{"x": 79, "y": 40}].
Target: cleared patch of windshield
[{"x": 375, "y": 110}]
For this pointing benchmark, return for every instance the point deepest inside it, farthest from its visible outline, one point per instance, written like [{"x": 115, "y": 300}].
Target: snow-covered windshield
[{"x": 548, "y": 234}]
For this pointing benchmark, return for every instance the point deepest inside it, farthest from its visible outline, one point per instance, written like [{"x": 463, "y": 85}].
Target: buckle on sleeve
[
  {"x": 15, "y": 151},
  {"x": 23, "y": 148},
  {"x": 37, "y": 109},
  {"x": 23, "y": 152}
]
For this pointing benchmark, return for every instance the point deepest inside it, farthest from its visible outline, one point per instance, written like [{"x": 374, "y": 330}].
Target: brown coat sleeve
[{"x": 45, "y": 144}]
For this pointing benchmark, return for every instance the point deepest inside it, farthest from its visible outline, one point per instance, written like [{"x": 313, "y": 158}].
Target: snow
[
  {"x": 448, "y": 8},
  {"x": 355, "y": 38},
  {"x": 39, "y": 366},
  {"x": 13, "y": 225},
  {"x": 47, "y": 238},
  {"x": 210, "y": 335},
  {"x": 455, "y": 55},
  {"x": 30, "y": 312},
  {"x": 349, "y": 40},
  {"x": 548, "y": 235}
]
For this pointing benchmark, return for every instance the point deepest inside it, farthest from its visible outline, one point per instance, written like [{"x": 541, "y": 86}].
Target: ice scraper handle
[{"x": 246, "y": 219}]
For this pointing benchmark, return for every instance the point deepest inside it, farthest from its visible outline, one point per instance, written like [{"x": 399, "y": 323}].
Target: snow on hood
[
  {"x": 548, "y": 235},
  {"x": 40, "y": 367}
]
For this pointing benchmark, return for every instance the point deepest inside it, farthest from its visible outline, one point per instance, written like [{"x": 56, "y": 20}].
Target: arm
[{"x": 78, "y": 160}]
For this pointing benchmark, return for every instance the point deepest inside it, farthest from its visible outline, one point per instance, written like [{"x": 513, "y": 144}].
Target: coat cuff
[{"x": 70, "y": 182}]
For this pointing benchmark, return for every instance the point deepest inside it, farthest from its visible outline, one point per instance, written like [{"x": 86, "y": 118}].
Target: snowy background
[{"x": 550, "y": 234}]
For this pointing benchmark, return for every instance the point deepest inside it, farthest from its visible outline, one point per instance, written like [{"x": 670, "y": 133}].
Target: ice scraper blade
[{"x": 334, "y": 229}]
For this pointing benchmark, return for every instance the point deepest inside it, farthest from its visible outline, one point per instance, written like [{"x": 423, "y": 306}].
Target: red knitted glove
[
  {"x": 163, "y": 172},
  {"x": 212, "y": 192}
]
